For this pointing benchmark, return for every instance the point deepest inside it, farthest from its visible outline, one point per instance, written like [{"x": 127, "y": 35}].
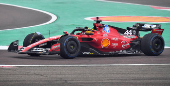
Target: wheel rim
[
  {"x": 157, "y": 44},
  {"x": 71, "y": 47}
]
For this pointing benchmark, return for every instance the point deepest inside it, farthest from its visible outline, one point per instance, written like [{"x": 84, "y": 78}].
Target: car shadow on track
[
  {"x": 110, "y": 56},
  {"x": 43, "y": 57},
  {"x": 57, "y": 57}
]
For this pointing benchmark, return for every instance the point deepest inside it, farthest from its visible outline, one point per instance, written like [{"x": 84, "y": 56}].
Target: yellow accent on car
[{"x": 89, "y": 33}]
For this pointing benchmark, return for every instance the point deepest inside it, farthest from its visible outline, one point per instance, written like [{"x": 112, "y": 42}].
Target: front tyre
[
  {"x": 32, "y": 38},
  {"x": 69, "y": 47},
  {"x": 152, "y": 44}
]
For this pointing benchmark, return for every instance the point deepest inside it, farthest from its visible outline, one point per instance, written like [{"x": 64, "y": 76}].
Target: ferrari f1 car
[{"x": 102, "y": 39}]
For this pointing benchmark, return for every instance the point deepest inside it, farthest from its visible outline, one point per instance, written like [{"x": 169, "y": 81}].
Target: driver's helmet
[{"x": 89, "y": 32}]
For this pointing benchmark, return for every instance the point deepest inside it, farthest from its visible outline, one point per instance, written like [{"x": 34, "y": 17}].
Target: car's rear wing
[
  {"x": 159, "y": 31},
  {"x": 145, "y": 27},
  {"x": 155, "y": 28}
]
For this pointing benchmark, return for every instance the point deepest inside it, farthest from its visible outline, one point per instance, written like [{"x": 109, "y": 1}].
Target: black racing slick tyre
[
  {"x": 152, "y": 44},
  {"x": 32, "y": 38},
  {"x": 69, "y": 47}
]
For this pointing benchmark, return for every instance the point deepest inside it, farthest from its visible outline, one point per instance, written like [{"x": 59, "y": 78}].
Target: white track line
[
  {"x": 3, "y": 47},
  {"x": 54, "y": 17},
  {"x": 84, "y": 65}
]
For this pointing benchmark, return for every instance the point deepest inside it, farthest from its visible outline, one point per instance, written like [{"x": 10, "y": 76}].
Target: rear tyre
[
  {"x": 152, "y": 44},
  {"x": 69, "y": 47},
  {"x": 32, "y": 38}
]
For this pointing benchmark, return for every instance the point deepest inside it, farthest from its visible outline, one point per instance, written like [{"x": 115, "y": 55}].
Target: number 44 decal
[{"x": 128, "y": 32}]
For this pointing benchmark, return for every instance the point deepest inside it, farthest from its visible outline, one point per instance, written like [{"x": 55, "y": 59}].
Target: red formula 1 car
[{"x": 101, "y": 40}]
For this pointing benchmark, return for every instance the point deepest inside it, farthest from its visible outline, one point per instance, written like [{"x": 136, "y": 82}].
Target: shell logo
[
  {"x": 105, "y": 43},
  {"x": 154, "y": 19}
]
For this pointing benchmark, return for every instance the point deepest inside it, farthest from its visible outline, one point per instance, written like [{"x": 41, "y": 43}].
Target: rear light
[{"x": 159, "y": 31}]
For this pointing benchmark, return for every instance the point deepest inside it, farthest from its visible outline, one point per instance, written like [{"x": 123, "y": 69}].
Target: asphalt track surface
[
  {"x": 86, "y": 76},
  {"x": 17, "y": 17},
  {"x": 99, "y": 75},
  {"x": 24, "y": 59}
]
